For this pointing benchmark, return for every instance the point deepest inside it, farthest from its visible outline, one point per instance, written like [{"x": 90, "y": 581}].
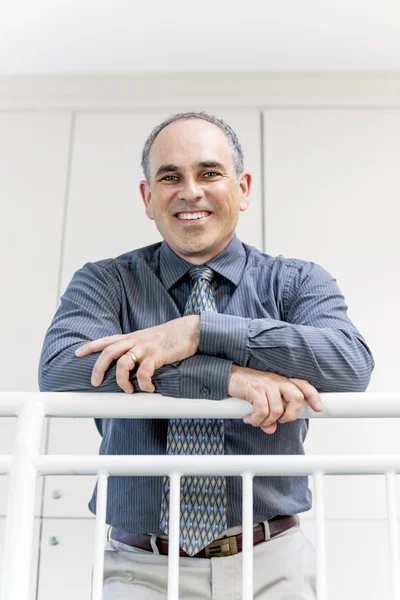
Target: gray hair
[{"x": 237, "y": 152}]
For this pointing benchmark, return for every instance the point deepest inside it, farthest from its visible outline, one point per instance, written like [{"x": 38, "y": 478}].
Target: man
[{"x": 203, "y": 315}]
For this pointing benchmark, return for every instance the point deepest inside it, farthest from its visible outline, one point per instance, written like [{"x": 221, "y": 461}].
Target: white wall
[{"x": 325, "y": 162}]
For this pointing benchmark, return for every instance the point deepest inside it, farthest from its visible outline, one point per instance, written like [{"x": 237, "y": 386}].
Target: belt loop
[
  {"x": 267, "y": 532},
  {"x": 153, "y": 544}
]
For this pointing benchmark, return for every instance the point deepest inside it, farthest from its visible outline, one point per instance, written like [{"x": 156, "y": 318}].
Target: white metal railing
[{"x": 26, "y": 463}]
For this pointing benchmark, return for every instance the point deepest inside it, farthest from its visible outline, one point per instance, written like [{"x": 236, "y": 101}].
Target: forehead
[{"x": 189, "y": 141}]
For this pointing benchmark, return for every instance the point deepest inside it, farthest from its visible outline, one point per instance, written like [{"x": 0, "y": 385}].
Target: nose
[{"x": 191, "y": 190}]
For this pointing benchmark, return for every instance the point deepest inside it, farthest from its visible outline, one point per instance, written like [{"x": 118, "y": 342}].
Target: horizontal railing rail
[
  {"x": 26, "y": 463},
  {"x": 145, "y": 406}
]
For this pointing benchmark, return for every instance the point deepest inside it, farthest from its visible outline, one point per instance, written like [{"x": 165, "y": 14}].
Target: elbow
[
  {"x": 363, "y": 366},
  {"x": 350, "y": 379},
  {"x": 352, "y": 372},
  {"x": 359, "y": 372},
  {"x": 47, "y": 384},
  {"x": 43, "y": 379},
  {"x": 47, "y": 380},
  {"x": 364, "y": 373},
  {"x": 42, "y": 384},
  {"x": 49, "y": 369},
  {"x": 57, "y": 373},
  {"x": 359, "y": 382},
  {"x": 64, "y": 372}
]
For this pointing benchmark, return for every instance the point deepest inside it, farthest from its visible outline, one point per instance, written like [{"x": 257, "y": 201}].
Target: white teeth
[{"x": 191, "y": 216}]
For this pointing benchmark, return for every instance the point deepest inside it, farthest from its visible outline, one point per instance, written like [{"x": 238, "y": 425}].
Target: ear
[
  {"x": 146, "y": 197},
  {"x": 245, "y": 181}
]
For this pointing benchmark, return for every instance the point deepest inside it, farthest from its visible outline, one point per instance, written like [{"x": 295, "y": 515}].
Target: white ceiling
[{"x": 44, "y": 37}]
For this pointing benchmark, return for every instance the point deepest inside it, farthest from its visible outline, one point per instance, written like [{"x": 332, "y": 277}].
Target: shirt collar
[{"x": 229, "y": 263}]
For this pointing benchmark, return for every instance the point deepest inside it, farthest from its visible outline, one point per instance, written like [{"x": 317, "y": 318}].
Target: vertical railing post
[
  {"x": 101, "y": 511},
  {"x": 247, "y": 549},
  {"x": 321, "y": 546},
  {"x": 173, "y": 536},
  {"x": 393, "y": 534},
  {"x": 21, "y": 503}
]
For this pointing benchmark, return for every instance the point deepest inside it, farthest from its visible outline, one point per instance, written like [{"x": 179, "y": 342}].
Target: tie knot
[{"x": 202, "y": 272}]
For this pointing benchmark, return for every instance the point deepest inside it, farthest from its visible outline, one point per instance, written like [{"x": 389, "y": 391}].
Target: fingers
[
  {"x": 310, "y": 393},
  {"x": 274, "y": 398},
  {"x": 109, "y": 354},
  {"x": 98, "y": 345},
  {"x": 151, "y": 346},
  {"x": 144, "y": 374},
  {"x": 154, "y": 347},
  {"x": 294, "y": 398},
  {"x": 115, "y": 348},
  {"x": 269, "y": 429},
  {"x": 265, "y": 425},
  {"x": 295, "y": 391},
  {"x": 267, "y": 407},
  {"x": 124, "y": 366}
]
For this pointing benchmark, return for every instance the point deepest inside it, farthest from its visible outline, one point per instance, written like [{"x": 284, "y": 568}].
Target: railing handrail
[
  {"x": 229, "y": 464},
  {"x": 147, "y": 406},
  {"x": 26, "y": 462}
]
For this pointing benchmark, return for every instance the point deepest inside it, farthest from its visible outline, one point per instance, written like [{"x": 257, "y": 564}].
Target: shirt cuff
[
  {"x": 205, "y": 377},
  {"x": 224, "y": 336}
]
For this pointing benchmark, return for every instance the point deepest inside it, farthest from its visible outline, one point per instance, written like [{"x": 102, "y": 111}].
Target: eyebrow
[{"x": 205, "y": 164}]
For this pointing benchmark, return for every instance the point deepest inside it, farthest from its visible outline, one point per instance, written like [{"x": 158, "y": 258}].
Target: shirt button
[
  {"x": 205, "y": 391},
  {"x": 221, "y": 355}
]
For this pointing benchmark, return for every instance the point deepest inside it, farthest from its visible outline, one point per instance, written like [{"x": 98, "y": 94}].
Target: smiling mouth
[{"x": 192, "y": 216}]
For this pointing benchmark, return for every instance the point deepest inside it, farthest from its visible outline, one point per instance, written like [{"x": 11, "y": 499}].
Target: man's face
[{"x": 194, "y": 196}]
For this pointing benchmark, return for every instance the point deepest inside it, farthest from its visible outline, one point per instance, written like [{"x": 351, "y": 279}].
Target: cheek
[
  {"x": 156, "y": 208},
  {"x": 235, "y": 206}
]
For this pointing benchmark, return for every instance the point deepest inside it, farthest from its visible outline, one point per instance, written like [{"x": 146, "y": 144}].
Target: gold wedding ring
[{"x": 132, "y": 356}]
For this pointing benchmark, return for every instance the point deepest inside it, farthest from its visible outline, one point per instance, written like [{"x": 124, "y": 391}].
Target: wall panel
[
  {"x": 68, "y": 496},
  {"x": 33, "y": 173},
  {"x": 66, "y": 563},
  {"x": 332, "y": 183},
  {"x": 357, "y": 558},
  {"x": 35, "y": 554},
  {"x": 33, "y": 177}
]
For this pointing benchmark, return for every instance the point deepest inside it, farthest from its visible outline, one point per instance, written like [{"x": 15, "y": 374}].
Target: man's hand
[
  {"x": 266, "y": 391},
  {"x": 153, "y": 348}
]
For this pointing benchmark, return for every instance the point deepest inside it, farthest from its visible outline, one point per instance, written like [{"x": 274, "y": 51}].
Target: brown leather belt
[{"x": 226, "y": 546}]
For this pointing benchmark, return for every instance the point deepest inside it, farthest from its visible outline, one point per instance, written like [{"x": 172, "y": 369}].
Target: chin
[
  {"x": 200, "y": 254},
  {"x": 191, "y": 245},
  {"x": 192, "y": 250}
]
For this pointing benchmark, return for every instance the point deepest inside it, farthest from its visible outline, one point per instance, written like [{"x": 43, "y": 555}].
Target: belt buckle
[{"x": 223, "y": 547}]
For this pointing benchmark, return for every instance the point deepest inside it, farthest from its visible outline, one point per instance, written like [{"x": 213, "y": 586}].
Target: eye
[
  {"x": 169, "y": 178},
  {"x": 211, "y": 174}
]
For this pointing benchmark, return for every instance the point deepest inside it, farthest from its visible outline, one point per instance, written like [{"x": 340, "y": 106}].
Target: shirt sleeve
[
  {"x": 90, "y": 309},
  {"x": 315, "y": 340}
]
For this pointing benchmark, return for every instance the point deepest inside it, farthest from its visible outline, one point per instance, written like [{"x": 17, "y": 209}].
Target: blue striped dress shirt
[{"x": 276, "y": 314}]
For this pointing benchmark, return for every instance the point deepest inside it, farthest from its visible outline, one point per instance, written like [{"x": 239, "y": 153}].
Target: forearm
[
  {"x": 64, "y": 372},
  {"x": 308, "y": 336},
  {"x": 196, "y": 377},
  {"x": 90, "y": 310},
  {"x": 330, "y": 359}
]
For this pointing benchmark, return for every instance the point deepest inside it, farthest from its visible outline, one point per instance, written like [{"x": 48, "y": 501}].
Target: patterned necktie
[{"x": 203, "y": 512}]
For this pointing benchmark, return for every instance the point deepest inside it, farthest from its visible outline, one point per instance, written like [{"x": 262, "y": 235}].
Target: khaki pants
[{"x": 284, "y": 569}]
